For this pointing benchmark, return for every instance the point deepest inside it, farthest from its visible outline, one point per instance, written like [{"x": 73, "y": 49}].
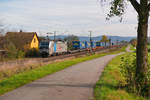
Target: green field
[
  {"x": 20, "y": 79},
  {"x": 107, "y": 88}
]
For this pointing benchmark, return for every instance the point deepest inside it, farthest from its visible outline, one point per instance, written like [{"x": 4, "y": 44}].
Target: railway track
[{"x": 23, "y": 62}]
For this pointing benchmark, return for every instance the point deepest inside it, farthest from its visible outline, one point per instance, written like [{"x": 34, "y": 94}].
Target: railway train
[{"x": 53, "y": 48}]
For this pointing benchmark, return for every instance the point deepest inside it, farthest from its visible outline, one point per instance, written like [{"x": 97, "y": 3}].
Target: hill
[{"x": 97, "y": 38}]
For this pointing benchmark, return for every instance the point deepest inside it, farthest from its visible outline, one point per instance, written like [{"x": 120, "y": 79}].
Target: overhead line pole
[
  {"x": 54, "y": 36},
  {"x": 90, "y": 40}
]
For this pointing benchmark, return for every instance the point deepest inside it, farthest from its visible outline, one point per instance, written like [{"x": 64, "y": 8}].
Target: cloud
[{"x": 77, "y": 16}]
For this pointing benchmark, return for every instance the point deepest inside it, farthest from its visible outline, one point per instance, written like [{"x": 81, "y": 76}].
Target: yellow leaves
[{"x": 104, "y": 38}]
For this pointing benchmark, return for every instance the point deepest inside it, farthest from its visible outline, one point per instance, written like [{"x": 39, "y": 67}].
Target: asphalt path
[{"x": 73, "y": 83}]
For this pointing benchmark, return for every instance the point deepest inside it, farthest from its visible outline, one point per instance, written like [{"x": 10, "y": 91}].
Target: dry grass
[{"x": 7, "y": 70}]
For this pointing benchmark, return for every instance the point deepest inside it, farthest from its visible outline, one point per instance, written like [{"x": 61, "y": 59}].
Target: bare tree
[{"x": 3, "y": 28}]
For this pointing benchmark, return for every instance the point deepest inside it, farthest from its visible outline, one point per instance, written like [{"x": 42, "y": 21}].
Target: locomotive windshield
[{"x": 44, "y": 45}]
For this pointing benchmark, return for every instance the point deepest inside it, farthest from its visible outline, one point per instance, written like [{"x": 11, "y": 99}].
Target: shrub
[
  {"x": 20, "y": 54},
  {"x": 128, "y": 71},
  {"x": 32, "y": 53},
  {"x": 3, "y": 55},
  {"x": 133, "y": 42},
  {"x": 13, "y": 52}
]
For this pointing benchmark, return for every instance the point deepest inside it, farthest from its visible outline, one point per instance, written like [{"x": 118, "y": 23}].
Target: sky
[{"x": 66, "y": 17}]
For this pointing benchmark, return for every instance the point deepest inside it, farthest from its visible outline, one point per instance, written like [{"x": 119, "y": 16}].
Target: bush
[
  {"x": 128, "y": 71},
  {"x": 133, "y": 42},
  {"x": 13, "y": 52},
  {"x": 32, "y": 53},
  {"x": 20, "y": 54},
  {"x": 3, "y": 55}
]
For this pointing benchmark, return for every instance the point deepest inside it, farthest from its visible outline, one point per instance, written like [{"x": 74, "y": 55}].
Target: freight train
[{"x": 52, "y": 48}]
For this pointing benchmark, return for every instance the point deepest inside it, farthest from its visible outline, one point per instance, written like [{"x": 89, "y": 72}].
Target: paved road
[{"x": 73, "y": 83}]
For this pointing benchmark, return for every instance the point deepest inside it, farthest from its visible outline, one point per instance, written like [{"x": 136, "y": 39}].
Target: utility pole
[
  {"x": 117, "y": 41},
  {"x": 110, "y": 42},
  {"x": 54, "y": 36},
  {"x": 90, "y": 36},
  {"x": 47, "y": 37},
  {"x": 90, "y": 40}
]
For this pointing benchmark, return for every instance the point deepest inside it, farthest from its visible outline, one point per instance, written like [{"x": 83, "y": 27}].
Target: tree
[
  {"x": 1, "y": 30},
  {"x": 69, "y": 40},
  {"x": 104, "y": 39},
  {"x": 134, "y": 42},
  {"x": 142, "y": 7}
]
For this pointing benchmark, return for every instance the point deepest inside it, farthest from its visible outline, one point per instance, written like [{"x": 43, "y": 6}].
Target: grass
[
  {"x": 107, "y": 88},
  {"x": 132, "y": 48},
  {"x": 148, "y": 46},
  {"x": 28, "y": 76}
]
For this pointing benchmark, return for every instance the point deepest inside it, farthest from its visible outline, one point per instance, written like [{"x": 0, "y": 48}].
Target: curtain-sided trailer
[
  {"x": 53, "y": 48},
  {"x": 83, "y": 45},
  {"x": 78, "y": 45}
]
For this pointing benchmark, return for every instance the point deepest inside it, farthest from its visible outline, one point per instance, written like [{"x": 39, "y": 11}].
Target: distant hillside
[
  {"x": 98, "y": 38},
  {"x": 113, "y": 38}
]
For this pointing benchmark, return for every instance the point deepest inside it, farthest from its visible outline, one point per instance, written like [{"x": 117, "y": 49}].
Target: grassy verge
[
  {"x": 107, "y": 88},
  {"x": 20, "y": 79},
  {"x": 132, "y": 48}
]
